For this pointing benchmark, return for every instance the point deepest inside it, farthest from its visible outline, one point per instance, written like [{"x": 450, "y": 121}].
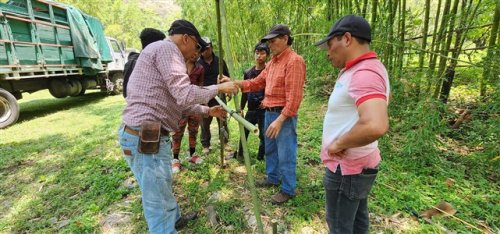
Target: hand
[
  {"x": 217, "y": 111},
  {"x": 229, "y": 88},
  {"x": 225, "y": 79},
  {"x": 334, "y": 150},
  {"x": 274, "y": 128}
]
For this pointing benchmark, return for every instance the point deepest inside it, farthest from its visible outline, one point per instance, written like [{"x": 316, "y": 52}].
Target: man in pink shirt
[{"x": 355, "y": 119}]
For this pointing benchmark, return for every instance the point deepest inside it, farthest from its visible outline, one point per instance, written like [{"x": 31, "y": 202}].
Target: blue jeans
[
  {"x": 281, "y": 154},
  {"x": 154, "y": 176},
  {"x": 347, "y": 201}
]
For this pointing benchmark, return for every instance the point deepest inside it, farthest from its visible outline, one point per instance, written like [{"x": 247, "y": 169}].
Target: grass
[{"x": 62, "y": 171}]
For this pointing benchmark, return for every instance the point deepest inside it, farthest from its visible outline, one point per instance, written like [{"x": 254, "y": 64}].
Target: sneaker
[
  {"x": 176, "y": 166},
  {"x": 205, "y": 150},
  {"x": 195, "y": 159},
  {"x": 264, "y": 184},
  {"x": 280, "y": 198}
]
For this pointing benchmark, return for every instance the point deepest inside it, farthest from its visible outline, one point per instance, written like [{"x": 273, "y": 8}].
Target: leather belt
[
  {"x": 129, "y": 130},
  {"x": 274, "y": 109}
]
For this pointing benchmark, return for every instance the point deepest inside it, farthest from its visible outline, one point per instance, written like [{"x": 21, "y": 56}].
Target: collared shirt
[
  {"x": 361, "y": 79},
  {"x": 283, "y": 80},
  {"x": 212, "y": 70},
  {"x": 160, "y": 90},
  {"x": 254, "y": 99}
]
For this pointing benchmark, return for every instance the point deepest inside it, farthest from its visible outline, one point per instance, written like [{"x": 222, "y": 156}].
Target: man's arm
[{"x": 373, "y": 123}]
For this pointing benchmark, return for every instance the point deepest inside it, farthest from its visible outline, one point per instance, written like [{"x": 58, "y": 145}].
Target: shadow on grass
[{"x": 41, "y": 107}]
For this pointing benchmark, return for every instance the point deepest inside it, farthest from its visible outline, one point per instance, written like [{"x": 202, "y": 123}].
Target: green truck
[{"x": 54, "y": 46}]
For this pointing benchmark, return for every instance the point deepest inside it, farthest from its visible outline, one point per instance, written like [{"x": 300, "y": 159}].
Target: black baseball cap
[
  {"x": 276, "y": 30},
  {"x": 356, "y": 25},
  {"x": 183, "y": 26}
]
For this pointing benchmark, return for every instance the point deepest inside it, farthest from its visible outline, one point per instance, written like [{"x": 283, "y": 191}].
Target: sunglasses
[{"x": 198, "y": 46}]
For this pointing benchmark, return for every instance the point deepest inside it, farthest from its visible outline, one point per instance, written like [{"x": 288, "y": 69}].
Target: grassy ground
[{"x": 61, "y": 171}]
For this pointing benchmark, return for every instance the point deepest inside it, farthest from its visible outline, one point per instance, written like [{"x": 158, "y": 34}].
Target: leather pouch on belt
[{"x": 149, "y": 137}]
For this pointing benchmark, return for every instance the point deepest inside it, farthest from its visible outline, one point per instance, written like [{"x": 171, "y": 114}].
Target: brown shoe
[
  {"x": 264, "y": 184},
  {"x": 280, "y": 198}
]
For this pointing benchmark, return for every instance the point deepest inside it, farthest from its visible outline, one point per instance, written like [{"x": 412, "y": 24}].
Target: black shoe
[
  {"x": 265, "y": 184},
  {"x": 184, "y": 219}
]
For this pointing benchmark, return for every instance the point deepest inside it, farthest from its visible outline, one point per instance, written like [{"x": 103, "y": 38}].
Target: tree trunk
[{"x": 434, "y": 48}]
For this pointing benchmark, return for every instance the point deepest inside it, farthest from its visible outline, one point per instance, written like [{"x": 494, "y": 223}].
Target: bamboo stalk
[
  {"x": 252, "y": 128},
  {"x": 221, "y": 62},
  {"x": 251, "y": 182}
]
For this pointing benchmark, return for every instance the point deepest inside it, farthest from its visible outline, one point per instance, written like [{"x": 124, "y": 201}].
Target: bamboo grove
[{"x": 422, "y": 43}]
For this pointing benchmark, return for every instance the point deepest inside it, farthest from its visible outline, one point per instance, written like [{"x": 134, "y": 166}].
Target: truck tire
[
  {"x": 76, "y": 87},
  {"x": 59, "y": 88},
  {"x": 117, "y": 79},
  {"x": 9, "y": 109}
]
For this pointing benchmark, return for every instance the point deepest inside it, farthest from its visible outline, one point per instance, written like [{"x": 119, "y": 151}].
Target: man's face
[
  {"x": 336, "y": 49},
  {"x": 208, "y": 52},
  {"x": 193, "y": 47},
  {"x": 260, "y": 56},
  {"x": 277, "y": 44}
]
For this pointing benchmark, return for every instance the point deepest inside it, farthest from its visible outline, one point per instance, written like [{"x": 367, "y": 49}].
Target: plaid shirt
[
  {"x": 283, "y": 80},
  {"x": 160, "y": 90}
]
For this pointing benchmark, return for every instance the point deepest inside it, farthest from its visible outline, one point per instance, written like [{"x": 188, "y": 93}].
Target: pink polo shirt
[{"x": 361, "y": 79}]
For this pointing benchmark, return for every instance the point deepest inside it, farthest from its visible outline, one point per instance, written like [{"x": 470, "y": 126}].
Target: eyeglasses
[{"x": 198, "y": 46}]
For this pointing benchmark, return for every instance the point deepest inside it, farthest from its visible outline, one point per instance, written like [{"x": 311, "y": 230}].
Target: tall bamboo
[
  {"x": 434, "y": 48},
  {"x": 424, "y": 45},
  {"x": 492, "y": 54},
  {"x": 250, "y": 178},
  {"x": 221, "y": 63},
  {"x": 446, "y": 47}
]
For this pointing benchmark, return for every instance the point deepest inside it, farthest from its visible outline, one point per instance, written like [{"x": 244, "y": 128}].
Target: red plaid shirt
[{"x": 283, "y": 80}]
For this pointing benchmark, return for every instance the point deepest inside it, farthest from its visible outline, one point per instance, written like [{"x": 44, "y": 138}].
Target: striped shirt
[
  {"x": 283, "y": 80},
  {"x": 160, "y": 89}
]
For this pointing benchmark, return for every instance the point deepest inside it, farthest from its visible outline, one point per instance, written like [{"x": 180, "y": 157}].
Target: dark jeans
[
  {"x": 347, "y": 201},
  {"x": 255, "y": 117},
  {"x": 205, "y": 126}
]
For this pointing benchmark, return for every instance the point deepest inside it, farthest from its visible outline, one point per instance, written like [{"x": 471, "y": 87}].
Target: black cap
[
  {"x": 356, "y": 25},
  {"x": 262, "y": 46},
  {"x": 185, "y": 27},
  {"x": 276, "y": 30}
]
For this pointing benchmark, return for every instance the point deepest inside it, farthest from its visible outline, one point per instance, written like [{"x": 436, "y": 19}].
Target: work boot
[
  {"x": 184, "y": 219},
  {"x": 264, "y": 184},
  {"x": 280, "y": 198}
]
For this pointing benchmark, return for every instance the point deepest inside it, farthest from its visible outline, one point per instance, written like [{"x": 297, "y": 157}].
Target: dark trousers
[
  {"x": 347, "y": 201},
  {"x": 205, "y": 126},
  {"x": 255, "y": 117}
]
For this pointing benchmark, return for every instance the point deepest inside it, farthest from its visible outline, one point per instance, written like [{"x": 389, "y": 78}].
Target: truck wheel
[
  {"x": 117, "y": 80},
  {"x": 9, "y": 109}
]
